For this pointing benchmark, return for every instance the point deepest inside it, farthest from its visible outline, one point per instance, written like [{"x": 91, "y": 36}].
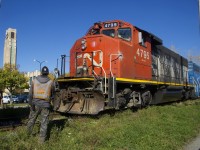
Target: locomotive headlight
[
  {"x": 84, "y": 68},
  {"x": 83, "y": 47},
  {"x": 83, "y": 41},
  {"x": 83, "y": 44}
]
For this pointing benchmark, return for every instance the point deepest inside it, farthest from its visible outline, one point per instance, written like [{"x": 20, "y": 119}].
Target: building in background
[
  {"x": 32, "y": 75},
  {"x": 10, "y": 47}
]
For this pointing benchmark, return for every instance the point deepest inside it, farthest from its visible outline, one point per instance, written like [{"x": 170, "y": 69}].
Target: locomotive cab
[{"x": 115, "y": 49}]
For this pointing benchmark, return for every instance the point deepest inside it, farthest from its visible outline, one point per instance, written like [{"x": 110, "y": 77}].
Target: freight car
[
  {"x": 194, "y": 76},
  {"x": 117, "y": 65}
]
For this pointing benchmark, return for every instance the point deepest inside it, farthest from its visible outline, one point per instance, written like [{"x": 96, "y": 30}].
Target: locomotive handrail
[
  {"x": 196, "y": 84},
  {"x": 63, "y": 57},
  {"x": 105, "y": 78},
  {"x": 198, "y": 80},
  {"x": 119, "y": 55},
  {"x": 94, "y": 72},
  {"x": 101, "y": 68}
]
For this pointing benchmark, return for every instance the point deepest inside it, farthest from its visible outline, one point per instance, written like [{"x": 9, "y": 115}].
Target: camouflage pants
[{"x": 44, "y": 114}]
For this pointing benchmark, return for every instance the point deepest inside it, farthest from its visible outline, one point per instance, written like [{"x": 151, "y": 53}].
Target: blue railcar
[{"x": 194, "y": 76}]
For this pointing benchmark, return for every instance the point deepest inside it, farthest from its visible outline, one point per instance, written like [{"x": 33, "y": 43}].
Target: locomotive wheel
[
  {"x": 56, "y": 101},
  {"x": 192, "y": 94},
  {"x": 146, "y": 98},
  {"x": 187, "y": 94}
]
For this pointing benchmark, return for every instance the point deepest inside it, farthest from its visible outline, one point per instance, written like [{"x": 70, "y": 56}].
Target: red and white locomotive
[{"x": 117, "y": 65}]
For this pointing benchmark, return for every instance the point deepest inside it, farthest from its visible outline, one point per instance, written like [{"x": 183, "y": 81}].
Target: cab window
[
  {"x": 124, "y": 33},
  {"x": 110, "y": 32},
  {"x": 94, "y": 31},
  {"x": 142, "y": 39}
]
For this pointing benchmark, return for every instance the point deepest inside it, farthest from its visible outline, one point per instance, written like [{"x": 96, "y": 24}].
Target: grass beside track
[{"x": 156, "y": 127}]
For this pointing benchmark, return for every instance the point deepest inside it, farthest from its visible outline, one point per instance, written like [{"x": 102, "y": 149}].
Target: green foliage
[
  {"x": 2, "y": 76},
  {"x": 157, "y": 127},
  {"x": 12, "y": 79},
  {"x": 67, "y": 74}
]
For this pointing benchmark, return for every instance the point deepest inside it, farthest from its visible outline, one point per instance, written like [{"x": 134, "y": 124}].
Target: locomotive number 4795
[{"x": 142, "y": 53}]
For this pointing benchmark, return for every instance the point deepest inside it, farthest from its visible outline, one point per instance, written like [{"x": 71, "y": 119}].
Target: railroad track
[{"x": 10, "y": 123}]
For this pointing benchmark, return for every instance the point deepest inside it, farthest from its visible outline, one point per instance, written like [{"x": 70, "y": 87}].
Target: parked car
[
  {"x": 14, "y": 99},
  {"x": 23, "y": 98},
  {"x": 6, "y": 99}
]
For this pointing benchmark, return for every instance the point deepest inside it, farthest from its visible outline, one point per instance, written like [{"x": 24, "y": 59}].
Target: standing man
[{"x": 40, "y": 94}]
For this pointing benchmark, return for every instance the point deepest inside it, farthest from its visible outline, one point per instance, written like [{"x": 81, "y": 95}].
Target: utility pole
[{"x": 40, "y": 62}]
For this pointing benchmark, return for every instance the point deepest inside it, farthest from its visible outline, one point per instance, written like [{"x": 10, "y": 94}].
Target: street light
[{"x": 40, "y": 62}]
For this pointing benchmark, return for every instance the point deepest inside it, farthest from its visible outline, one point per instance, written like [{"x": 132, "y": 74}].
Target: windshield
[
  {"x": 124, "y": 33},
  {"x": 13, "y": 96},
  {"x": 110, "y": 32}
]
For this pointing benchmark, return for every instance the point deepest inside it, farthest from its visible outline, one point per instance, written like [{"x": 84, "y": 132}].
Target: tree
[
  {"x": 2, "y": 87},
  {"x": 2, "y": 80},
  {"x": 12, "y": 79}
]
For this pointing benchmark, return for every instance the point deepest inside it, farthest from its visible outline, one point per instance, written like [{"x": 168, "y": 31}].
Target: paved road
[{"x": 194, "y": 144}]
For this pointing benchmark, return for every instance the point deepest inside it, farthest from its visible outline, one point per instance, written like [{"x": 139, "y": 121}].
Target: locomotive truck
[{"x": 117, "y": 65}]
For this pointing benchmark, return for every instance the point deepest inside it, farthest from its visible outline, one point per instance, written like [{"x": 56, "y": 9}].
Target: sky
[{"x": 47, "y": 29}]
